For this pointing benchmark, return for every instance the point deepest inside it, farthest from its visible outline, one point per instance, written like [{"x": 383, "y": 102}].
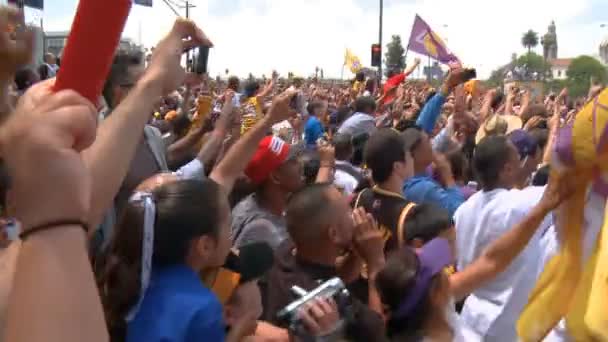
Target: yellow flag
[{"x": 352, "y": 62}]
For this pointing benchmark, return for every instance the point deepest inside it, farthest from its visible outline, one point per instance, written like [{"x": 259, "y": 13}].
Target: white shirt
[
  {"x": 593, "y": 221},
  {"x": 344, "y": 180},
  {"x": 492, "y": 310}
]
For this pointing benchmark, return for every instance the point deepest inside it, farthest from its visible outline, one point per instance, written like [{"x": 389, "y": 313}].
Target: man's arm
[
  {"x": 237, "y": 158},
  {"x": 500, "y": 253},
  {"x": 109, "y": 158},
  {"x": 449, "y": 198},
  {"x": 432, "y": 109}
]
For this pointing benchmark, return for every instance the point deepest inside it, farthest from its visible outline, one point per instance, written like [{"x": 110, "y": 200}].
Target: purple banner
[{"x": 425, "y": 41}]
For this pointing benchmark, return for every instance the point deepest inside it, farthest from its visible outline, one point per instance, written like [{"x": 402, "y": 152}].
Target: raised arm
[
  {"x": 412, "y": 67},
  {"x": 109, "y": 158},
  {"x": 500, "y": 253},
  {"x": 235, "y": 161},
  {"x": 266, "y": 91},
  {"x": 51, "y": 188},
  {"x": 212, "y": 146}
]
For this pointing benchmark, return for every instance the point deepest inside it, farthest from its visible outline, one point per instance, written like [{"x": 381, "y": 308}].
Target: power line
[{"x": 171, "y": 7}]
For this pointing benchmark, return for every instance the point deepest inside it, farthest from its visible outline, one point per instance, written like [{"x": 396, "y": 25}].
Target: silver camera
[{"x": 333, "y": 288}]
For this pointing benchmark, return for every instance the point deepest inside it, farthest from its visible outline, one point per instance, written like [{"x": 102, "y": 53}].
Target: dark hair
[
  {"x": 343, "y": 145},
  {"x": 43, "y": 72},
  {"x": 541, "y": 178},
  {"x": 459, "y": 164},
  {"x": 233, "y": 83},
  {"x": 342, "y": 114},
  {"x": 251, "y": 87},
  {"x": 541, "y": 135},
  {"x": 313, "y": 106},
  {"x": 120, "y": 68},
  {"x": 308, "y": 212},
  {"x": 497, "y": 100},
  {"x": 180, "y": 125},
  {"x": 429, "y": 96},
  {"x": 404, "y": 124},
  {"x": 312, "y": 163},
  {"x": 185, "y": 209},
  {"x": 365, "y": 104},
  {"x": 23, "y": 79},
  {"x": 490, "y": 156},
  {"x": 412, "y": 138},
  {"x": 5, "y": 185},
  {"x": 394, "y": 282},
  {"x": 384, "y": 148},
  {"x": 426, "y": 221}
]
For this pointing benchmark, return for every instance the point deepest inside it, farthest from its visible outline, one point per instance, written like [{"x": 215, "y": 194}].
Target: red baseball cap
[{"x": 271, "y": 154}]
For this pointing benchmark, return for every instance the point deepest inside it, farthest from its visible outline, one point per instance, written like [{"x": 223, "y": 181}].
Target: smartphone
[{"x": 200, "y": 66}]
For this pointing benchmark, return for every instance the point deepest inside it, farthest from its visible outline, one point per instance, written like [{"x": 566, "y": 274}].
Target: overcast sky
[{"x": 297, "y": 35}]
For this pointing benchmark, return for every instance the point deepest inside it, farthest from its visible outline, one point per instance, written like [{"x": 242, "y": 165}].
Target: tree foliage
[
  {"x": 582, "y": 71},
  {"x": 529, "y": 40},
  {"x": 394, "y": 56},
  {"x": 534, "y": 63}
]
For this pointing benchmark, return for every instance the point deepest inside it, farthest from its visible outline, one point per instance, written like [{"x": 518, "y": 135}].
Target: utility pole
[{"x": 380, "y": 42}]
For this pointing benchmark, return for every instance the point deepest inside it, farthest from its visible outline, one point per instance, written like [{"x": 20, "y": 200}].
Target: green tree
[
  {"x": 581, "y": 72},
  {"x": 534, "y": 63},
  {"x": 529, "y": 40},
  {"x": 394, "y": 56}
]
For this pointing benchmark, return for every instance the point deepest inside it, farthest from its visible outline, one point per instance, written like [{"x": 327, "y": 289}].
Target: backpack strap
[{"x": 401, "y": 224}]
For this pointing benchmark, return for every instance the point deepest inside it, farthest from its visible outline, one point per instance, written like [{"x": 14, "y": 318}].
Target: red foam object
[{"x": 91, "y": 46}]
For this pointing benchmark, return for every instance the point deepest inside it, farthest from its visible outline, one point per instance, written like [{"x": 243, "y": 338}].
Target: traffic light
[{"x": 376, "y": 55}]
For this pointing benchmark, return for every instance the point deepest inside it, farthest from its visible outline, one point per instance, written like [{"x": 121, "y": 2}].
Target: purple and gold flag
[{"x": 425, "y": 41}]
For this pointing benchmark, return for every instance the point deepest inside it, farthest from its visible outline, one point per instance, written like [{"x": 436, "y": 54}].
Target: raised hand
[
  {"x": 165, "y": 67},
  {"x": 369, "y": 240},
  {"x": 50, "y": 180},
  {"x": 280, "y": 109},
  {"x": 320, "y": 317}
]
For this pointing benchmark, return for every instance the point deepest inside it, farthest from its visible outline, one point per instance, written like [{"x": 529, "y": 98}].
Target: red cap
[{"x": 272, "y": 152}]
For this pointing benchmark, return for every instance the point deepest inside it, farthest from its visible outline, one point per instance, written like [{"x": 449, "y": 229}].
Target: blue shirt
[
  {"x": 177, "y": 307},
  {"x": 430, "y": 112},
  {"x": 313, "y": 131},
  {"x": 423, "y": 189}
]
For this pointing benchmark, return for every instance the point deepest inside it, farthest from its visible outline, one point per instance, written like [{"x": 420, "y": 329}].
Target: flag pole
[{"x": 429, "y": 76}]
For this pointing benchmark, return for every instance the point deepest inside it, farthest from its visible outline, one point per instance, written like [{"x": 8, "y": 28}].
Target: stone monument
[{"x": 549, "y": 42}]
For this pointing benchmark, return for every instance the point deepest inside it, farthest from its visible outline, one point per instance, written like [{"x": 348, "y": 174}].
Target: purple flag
[{"x": 425, "y": 41}]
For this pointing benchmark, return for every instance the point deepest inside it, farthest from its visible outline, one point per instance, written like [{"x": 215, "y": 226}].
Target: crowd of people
[{"x": 183, "y": 208}]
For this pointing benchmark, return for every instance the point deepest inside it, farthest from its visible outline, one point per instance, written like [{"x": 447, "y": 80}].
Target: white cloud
[{"x": 297, "y": 35}]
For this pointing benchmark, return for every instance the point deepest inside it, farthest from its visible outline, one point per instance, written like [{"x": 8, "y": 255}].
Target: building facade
[{"x": 54, "y": 42}]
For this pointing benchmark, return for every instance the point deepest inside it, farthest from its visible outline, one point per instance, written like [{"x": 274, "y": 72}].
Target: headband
[{"x": 147, "y": 248}]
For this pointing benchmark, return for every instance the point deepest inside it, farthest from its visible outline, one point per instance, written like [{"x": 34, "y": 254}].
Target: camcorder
[{"x": 333, "y": 288}]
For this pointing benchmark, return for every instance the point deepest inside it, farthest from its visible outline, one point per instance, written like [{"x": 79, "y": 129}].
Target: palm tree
[{"x": 529, "y": 40}]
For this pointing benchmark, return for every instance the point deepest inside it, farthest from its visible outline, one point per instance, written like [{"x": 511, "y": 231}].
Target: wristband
[
  {"x": 328, "y": 165},
  {"x": 53, "y": 225}
]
